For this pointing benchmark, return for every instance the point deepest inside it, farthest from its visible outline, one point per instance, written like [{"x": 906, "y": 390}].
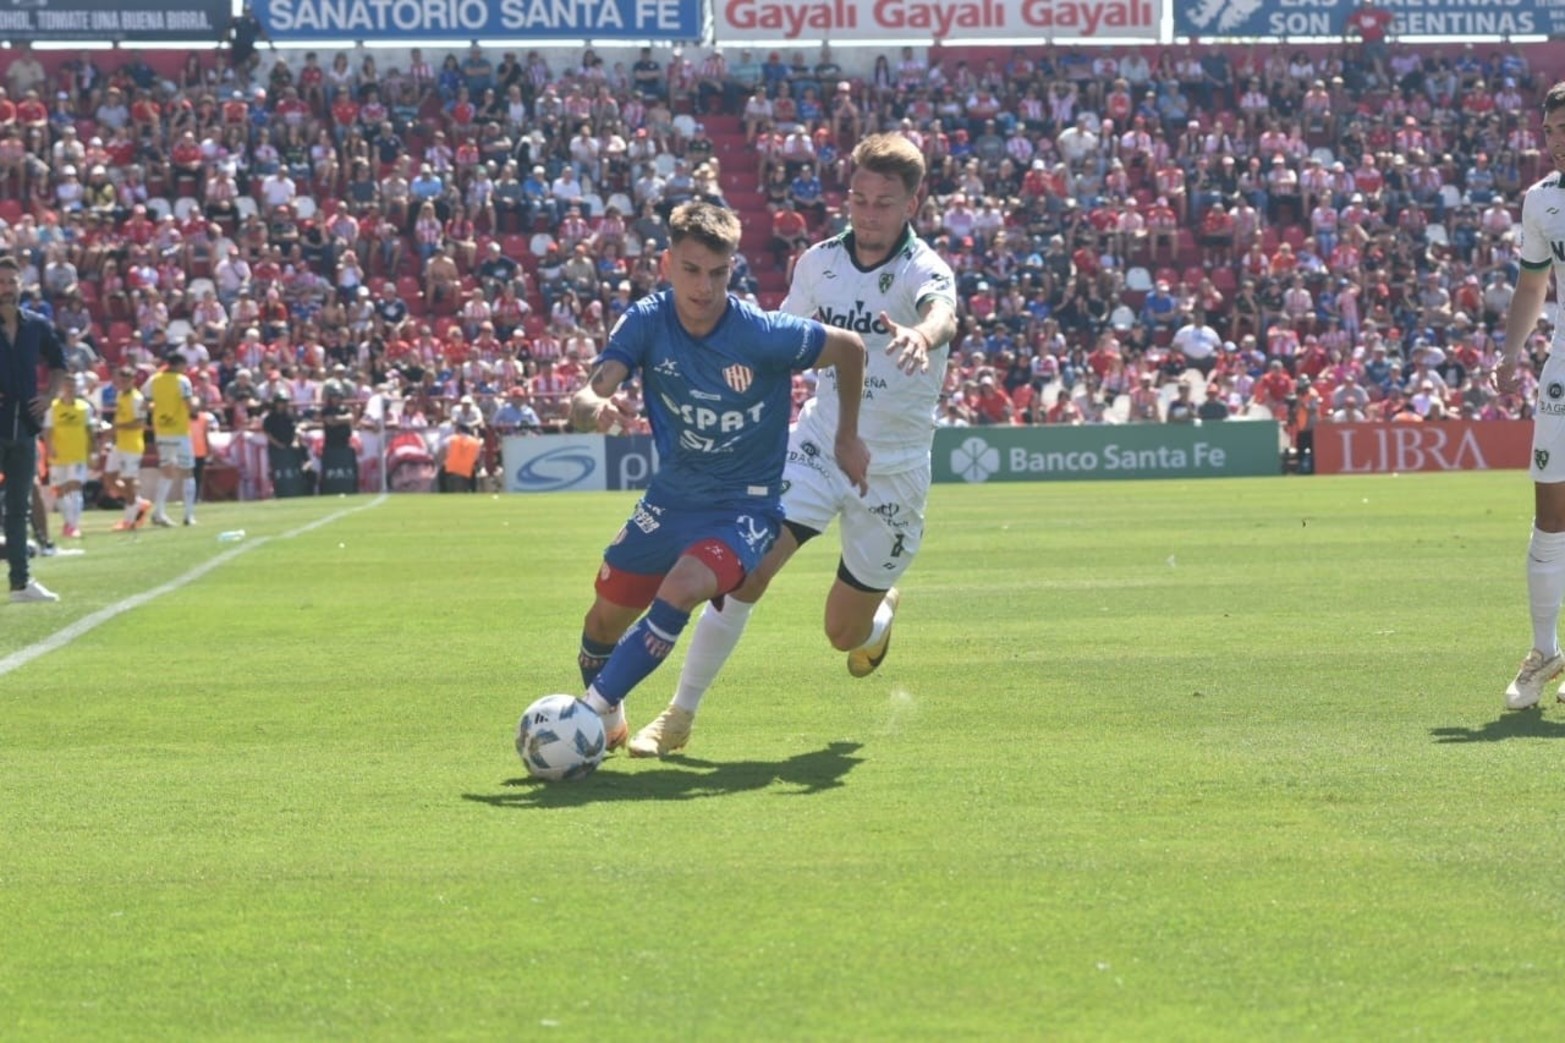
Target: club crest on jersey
[
  {"x": 1556, "y": 390},
  {"x": 886, "y": 279},
  {"x": 1541, "y": 458},
  {"x": 738, "y": 377}
]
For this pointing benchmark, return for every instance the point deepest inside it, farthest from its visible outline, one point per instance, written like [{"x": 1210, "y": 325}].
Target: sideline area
[{"x": 63, "y": 637}]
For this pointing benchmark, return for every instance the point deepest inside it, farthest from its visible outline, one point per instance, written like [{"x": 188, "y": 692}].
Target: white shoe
[
  {"x": 1536, "y": 671},
  {"x": 669, "y": 732},
  {"x": 34, "y": 591},
  {"x": 162, "y": 521}
]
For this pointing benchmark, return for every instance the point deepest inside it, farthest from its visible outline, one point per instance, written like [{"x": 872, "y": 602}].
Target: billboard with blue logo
[
  {"x": 386, "y": 22},
  {"x": 1458, "y": 19},
  {"x": 577, "y": 463}
]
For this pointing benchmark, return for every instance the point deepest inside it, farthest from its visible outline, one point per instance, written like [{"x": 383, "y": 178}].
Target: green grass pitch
[{"x": 1181, "y": 760}]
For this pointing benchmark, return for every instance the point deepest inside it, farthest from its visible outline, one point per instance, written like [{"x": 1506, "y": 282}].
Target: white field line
[{"x": 60, "y": 638}]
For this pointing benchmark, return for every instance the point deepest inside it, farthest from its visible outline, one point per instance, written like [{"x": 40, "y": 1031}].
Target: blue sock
[
  {"x": 641, "y": 651},
  {"x": 591, "y": 658}
]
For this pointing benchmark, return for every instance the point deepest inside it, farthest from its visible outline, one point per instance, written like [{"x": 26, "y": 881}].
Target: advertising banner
[
  {"x": 774, "y": 21},
  {"x": 387, "y": 22},
  {"x": 121, "y": 21},
  {"x": 1458, "y": 19},
  {"x": 1451, "y": 445},
  {"x": 578, "y": 463},
  {"x": 1227, "y": 449}
]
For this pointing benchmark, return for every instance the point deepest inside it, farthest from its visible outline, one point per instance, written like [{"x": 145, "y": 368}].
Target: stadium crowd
[{"x": 1138, "y": 234}]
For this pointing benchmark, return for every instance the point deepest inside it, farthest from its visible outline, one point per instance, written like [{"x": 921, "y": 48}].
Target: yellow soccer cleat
[{"x": 864, "y": 661}]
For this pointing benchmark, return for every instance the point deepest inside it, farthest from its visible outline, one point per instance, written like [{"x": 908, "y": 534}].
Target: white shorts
[
  {"x": 1548, "y": 424},
  {"x": 176, "y": 451},
  {"x": 65, "y": 474},
  {"x": 124, "y": 464},
  {"x": 881, "y": 532}
]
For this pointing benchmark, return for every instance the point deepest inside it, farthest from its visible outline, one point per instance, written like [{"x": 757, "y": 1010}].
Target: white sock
[
  {"x": 73, "y": 507},
  {"x": 716, "y": 636},
  {"x": 1546, "y": 587},
  {"x": 189, "y": 489},
  {"x": 132, "y": 505},
  {"x": 613, "y": 715},
  {"x": 877, "y": 628},
  {"x": 160, "y": 503}
]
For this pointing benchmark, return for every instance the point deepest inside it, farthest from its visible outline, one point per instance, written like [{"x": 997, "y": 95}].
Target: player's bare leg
[{"x": 859, "y": 622}]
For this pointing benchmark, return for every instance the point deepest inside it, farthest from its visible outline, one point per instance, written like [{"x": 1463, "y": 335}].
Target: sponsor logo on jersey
[
  {"x": 645, "y": 518},
  {"x": 1556, "y": 390},
  {"x": 668, "y": 368},
  {"x": 859, "y": 319},
  {"x": 739, "y": 377}
]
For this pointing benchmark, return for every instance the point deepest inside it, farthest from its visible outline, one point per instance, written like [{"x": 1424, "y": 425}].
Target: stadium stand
[{"x": 1208, "y": 219}]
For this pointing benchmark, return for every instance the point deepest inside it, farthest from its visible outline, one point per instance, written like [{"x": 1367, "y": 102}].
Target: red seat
[
  {"x": 516, "y": 247},
  {"x": 1224, "y": 280},
  {"x": 10, "y": 210}
]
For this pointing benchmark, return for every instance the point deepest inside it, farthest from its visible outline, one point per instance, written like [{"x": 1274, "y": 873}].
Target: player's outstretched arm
[
  {"x": 911, "y": 345},
  {"x": 844, "y": 352},
  {"x": 593, "y": 407},
  {"x": 1520, "y": 320}
]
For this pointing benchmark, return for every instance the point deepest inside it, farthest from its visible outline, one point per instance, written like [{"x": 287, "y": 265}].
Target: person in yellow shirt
[
  {"x": 68, "y": 430},
  {"x": 130, "y": 437},
  {"x": 173, "y": 400}
]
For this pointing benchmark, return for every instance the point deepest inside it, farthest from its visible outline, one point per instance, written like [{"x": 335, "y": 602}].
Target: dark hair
[
  {"x": 1555, "y": 98},
  {"x": 9, "y": 263}
]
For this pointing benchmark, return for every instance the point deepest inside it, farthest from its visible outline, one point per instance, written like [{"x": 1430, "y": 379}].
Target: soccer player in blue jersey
[
  {"x": 718, "y": 377},
  {"x": 880, "y": 278}
]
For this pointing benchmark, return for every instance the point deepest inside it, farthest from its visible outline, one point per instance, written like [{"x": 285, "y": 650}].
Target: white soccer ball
[{"x": 560, "y": 737}]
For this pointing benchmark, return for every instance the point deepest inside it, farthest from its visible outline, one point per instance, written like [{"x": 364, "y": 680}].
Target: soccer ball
[{"x": 560, "y": 737}]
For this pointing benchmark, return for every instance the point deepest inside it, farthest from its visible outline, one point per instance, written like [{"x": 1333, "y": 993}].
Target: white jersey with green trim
[
  {"x": 1543, "y": 238},
  {"x": 896, "y": 420}
]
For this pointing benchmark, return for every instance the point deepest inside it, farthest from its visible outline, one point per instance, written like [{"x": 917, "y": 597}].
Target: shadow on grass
[
  {"x": 684, "y": 778},
  {"x": 1522, "y": 724}
]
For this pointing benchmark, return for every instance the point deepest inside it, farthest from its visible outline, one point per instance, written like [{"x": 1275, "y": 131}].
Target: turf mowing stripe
[{"x": 60, "y": 638}]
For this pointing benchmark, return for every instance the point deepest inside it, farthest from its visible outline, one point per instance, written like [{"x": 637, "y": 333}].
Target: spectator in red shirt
[
  {"x": 1372, "y": 25},
  {"x": 993, "y": 405},
  {"x": 1274, "y": 388}
]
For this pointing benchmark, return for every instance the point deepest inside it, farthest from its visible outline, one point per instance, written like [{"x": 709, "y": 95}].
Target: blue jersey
[{"x": 719, "y": 405}]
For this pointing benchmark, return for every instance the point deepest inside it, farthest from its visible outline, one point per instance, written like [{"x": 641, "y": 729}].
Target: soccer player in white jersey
[
  {"x": 881, "y": 280},
  {"x": 1543, "y": 252}
]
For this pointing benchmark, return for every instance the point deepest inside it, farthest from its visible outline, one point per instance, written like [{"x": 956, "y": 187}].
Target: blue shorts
[{"x": 656, "y": 536}]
